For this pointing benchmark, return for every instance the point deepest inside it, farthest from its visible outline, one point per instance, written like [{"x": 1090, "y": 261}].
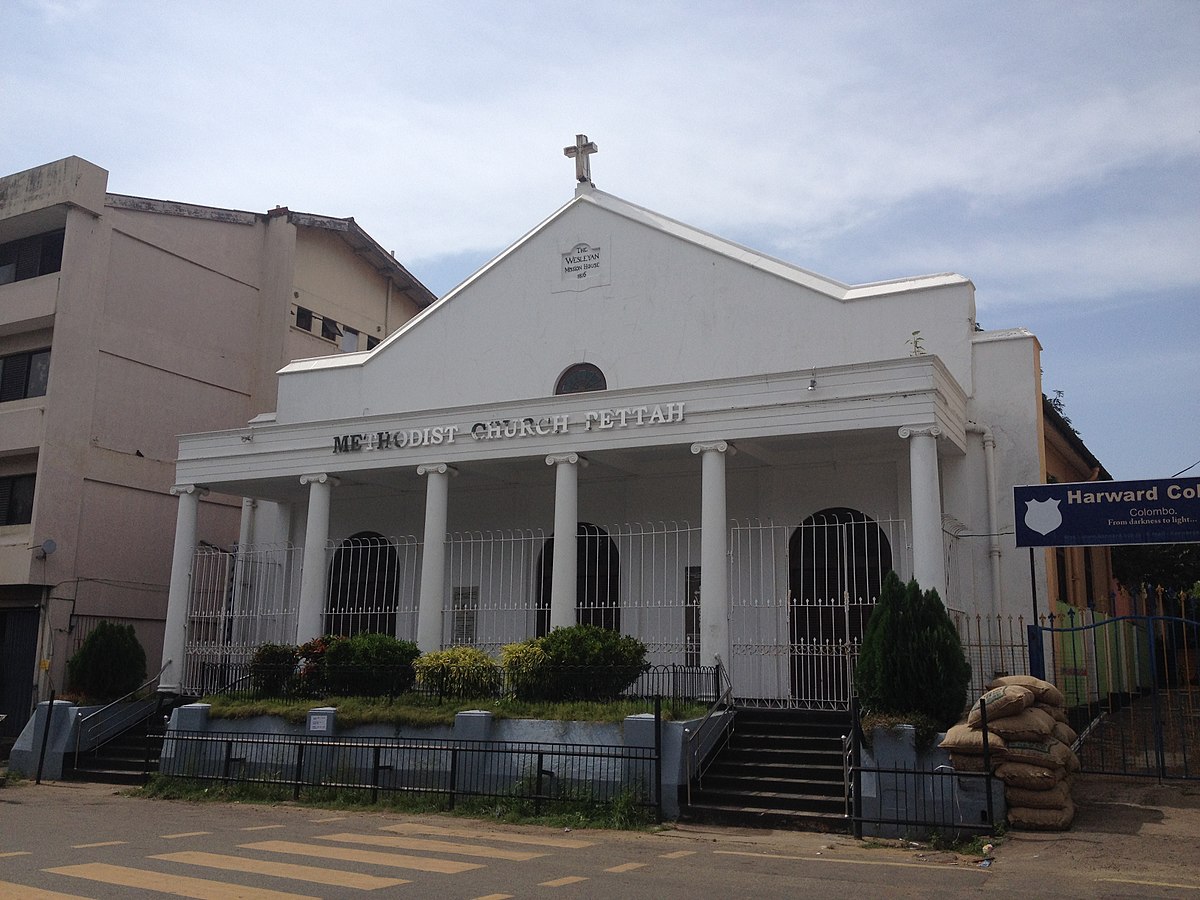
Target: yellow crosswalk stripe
[
  {"x": 374, "y": 857},
  {"x": 183, "y": 834},
  {"x": 177, "y": 885},
  {"x": 10, "y": 891},
  {"x": 536, "y": 840},
  {"x": 626, "y": 867},
  {"x": 262, "y": 827},
  {"x": 15, "y": 853},
  {"x": 561, "y": 882},
  {"x": 406, "y": 843},
  {"x": 294, "y": 871},
  {"x": 97, "y": 844},
  {"x": 495, "y": 897}
]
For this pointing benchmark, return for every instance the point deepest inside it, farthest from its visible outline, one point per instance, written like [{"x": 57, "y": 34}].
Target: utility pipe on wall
[{"x": 989, "y": 466}]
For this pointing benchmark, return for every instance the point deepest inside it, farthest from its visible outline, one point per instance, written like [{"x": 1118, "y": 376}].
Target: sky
[{"x": 1049, "y": 151}]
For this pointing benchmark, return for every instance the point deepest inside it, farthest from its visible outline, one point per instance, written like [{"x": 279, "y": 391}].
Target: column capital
[
  {"x": 319, "y": 478},
  {"x": 908, "y": 431},
  {"x": 572, "y": 458},
  {"x": 714, "y": 447},
  {"x": 436, "y": 469},
  {"x": 198, "y": 489}
]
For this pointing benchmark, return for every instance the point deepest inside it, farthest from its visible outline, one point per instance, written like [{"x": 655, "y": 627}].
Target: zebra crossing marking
[
  {"x": 562, "y": 882},
  {"x": 374, "y": 857},
  {"x": 626, "y": 867},
  {"x": 98, "y": 844},
  {"x": 177, "y": 885},
  {"x": 406, "y": 843},
  {"x": 16, "y": 853},
  {"x": 262, "y": 827},
  {"x": 444, "y": 831},
  {"x": 678, "y": 854},
  {"x": 10, "y": 891},
  {"x": 295, "y": 871},
  {"x": 183, "y": 834}
]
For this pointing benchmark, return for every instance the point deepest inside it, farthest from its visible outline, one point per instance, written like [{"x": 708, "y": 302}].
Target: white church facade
[{"x": 734, "y": 449}]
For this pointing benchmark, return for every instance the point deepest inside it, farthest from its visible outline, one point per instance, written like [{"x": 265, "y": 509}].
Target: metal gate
[
  {"x": 1131, "y": 688},
  {"x": 801, "y": 597}
]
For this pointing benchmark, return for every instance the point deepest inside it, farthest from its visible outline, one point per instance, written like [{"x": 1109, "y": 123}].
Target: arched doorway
[
  {"x": 597, "y": 580},
  {"x": 363, "y": 584},
  {"x": 837, "y": 559}
]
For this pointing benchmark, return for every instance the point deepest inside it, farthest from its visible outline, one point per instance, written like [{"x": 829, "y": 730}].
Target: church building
[{"x": 627, "y": 421}]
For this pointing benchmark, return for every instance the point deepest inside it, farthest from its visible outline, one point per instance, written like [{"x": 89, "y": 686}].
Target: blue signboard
[{"x": 1096, "y": 513}]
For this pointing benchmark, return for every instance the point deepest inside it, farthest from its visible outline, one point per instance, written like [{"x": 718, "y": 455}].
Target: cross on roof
[{"x": 580, "y": 152}]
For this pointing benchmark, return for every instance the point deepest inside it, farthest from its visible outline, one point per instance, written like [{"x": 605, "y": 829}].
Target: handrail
[
  {"x": 723, "y": 702},
  {"x": 83, "y": 721}
]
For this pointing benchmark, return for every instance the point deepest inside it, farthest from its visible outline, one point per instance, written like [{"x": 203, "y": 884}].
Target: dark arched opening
[
  {"x": 597, "y": 580},
  {"x": 837, "y": 559},
  {"x": 363, "y": 584}
]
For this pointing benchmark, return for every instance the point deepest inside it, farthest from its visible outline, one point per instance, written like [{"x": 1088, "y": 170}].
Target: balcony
[
  {"x": 29, "y": 304},
  {"x": 22, "y": 425}
]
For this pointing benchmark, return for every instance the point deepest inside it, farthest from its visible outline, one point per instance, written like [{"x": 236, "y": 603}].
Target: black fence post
[
  {"x": 299, "y": 770},
  {"x": 987, "y": 765},
  {"x": 375, "y": 774},
  {"x": 658, "y": 749},
  {"x": 45, "y": 739},
  {"x": 453, "y": 774},
  {"x": 537, "y": 799},
  {"x": 855, "y": 771}
]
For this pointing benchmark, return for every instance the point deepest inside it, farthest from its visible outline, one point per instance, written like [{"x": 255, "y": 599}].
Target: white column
[
  {"x": 312, "y": 573},
  {"x": 714, "y": 553},
  {"x": 565, "y": 573},
  {"x": 433, "y": 556},
  {"x": 175, "y": 631},
  {"x": 929, "y": 560}
]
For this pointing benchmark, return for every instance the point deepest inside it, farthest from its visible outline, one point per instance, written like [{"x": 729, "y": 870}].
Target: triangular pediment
[{"x": 647, "y": 299}]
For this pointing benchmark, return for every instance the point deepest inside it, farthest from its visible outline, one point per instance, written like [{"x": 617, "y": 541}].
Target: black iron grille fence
[
  {"x": 674, "y": 683},
  {"x": 917, "y": 799},
  {"x": 533, "y": 773}
]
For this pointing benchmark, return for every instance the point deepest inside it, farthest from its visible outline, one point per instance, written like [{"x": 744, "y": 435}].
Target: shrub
[
  {"x": 459, "y": 672},
  {"x": 272, "y": 667},
  {"x": 912, "y": 662},
  {"x": 109, "y": 664},
  {"x": 370, "y": 665},
  {"x": 582, "y": 662}
]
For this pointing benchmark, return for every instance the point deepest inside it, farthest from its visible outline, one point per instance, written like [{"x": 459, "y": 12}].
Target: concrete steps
[{"x": 782, "y": 769}]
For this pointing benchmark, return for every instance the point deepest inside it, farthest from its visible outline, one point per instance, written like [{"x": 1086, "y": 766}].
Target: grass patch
[
  {"x": 622, "y": 812},
  {"x": 414, "y": 711}
]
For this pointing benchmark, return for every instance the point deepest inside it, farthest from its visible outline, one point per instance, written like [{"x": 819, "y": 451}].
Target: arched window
[
  {"x": 363, "y": 585},
  {"x": 580, "y": 378}
]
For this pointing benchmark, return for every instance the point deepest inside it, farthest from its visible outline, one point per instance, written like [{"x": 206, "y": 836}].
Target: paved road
[{"x": 67, "y": 840}]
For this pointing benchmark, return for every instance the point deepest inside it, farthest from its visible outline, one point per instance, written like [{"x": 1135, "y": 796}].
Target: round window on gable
[{"x": 580, "y": 378}]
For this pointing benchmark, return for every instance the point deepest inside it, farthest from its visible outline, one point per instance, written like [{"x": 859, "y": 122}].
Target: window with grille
[
  {"x": 30, "y": 257},
  {"x": 24, "y": 375},
  {"x": 16, "y": 499},
  {"x": 463, "y": 623}
]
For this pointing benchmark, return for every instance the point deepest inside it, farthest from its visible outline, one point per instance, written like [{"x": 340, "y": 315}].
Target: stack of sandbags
[
  {"x": 965, "y": 740},
  {"x": 1039, "y": 764}
]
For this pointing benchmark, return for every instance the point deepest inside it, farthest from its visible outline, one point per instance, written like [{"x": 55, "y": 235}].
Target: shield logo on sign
[{"x": 1042, "y": 516}]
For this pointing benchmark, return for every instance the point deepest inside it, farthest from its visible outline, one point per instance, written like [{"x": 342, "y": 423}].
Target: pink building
[{"x": 125, "y": 322}]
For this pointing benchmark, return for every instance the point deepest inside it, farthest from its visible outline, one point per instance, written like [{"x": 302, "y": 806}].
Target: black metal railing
[
  {"x": 534, "y": 774},
  {"x": 289, "y": 684},
  {"x": 915, "y": 802}
]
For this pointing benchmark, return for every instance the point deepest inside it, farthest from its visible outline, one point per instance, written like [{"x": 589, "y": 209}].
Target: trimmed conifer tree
[{"x": 912, "y": 664}]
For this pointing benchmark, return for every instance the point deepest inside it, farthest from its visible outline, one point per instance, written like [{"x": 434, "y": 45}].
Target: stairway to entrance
[
  {"x": 129, "y": 758},
  {"x": 782, "y": 768}
]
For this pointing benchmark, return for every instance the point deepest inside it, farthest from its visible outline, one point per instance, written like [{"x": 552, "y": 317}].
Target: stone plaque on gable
[{"x": 584, "y": 266}]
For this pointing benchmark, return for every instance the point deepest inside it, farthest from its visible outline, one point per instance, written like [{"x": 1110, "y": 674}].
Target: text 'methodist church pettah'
[{"x": 624, "y": 420}]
